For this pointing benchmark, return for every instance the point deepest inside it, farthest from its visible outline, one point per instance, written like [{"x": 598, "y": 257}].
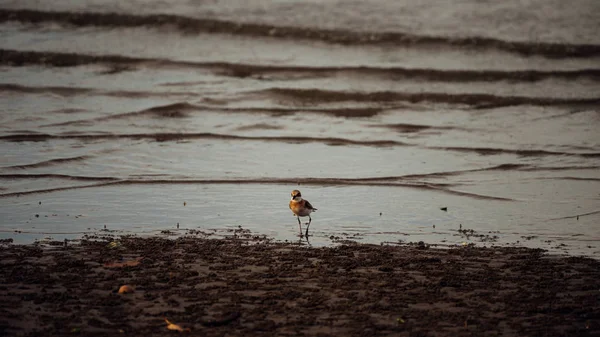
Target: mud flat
[{"x": 246, "y": 286}]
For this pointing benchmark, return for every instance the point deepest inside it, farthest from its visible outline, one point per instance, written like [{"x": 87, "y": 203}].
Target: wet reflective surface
[{"x": 111, "y": 116}]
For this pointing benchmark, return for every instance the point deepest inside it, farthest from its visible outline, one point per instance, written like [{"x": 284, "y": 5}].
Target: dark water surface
[{"x": 140, "y": 115}]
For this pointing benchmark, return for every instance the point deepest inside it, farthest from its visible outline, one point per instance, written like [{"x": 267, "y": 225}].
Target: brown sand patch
[{"x": 228, "y": 287}]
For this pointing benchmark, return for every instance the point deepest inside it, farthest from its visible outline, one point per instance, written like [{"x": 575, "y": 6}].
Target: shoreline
[
  {"x": 236, "y": 287},
  {"x": 460, "y": 238}
]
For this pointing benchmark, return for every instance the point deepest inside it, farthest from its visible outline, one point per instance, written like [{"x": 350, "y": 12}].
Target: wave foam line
[
  {"x": 21, "y": 58},
  {"x": 277, "y": 181},
  {"x": 476, "y": 100},
  {"x": 331, "y": 141},
  {"x": 189, "y": 25}
]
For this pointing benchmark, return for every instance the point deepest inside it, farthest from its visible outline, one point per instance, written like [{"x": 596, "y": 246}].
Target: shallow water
[{"x": 382, "y": 115}]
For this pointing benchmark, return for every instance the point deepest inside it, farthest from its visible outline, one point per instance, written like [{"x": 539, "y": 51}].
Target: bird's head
[{"x": 296, "y": 195}]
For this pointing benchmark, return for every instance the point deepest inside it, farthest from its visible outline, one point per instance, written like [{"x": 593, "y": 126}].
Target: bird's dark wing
[{"x": 308, "y": 205}]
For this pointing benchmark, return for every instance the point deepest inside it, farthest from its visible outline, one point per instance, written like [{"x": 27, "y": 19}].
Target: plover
[{"x": 301, "y": 208}]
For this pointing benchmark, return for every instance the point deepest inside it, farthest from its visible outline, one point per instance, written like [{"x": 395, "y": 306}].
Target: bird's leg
[
  {"x": 308, "y": 225},
  {"x": 299, "y": 226}
]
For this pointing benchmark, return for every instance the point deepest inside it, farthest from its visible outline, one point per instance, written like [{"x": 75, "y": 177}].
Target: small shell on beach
[
  {"x": 125, "y": 289},
  {"x": 113, "y": 244},
  {"x": 175, "y": 327}
]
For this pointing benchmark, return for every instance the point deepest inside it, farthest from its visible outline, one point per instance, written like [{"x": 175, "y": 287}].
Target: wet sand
[
  {"x": 246, "y": 285},
  {"x": 427, "y": 119}
]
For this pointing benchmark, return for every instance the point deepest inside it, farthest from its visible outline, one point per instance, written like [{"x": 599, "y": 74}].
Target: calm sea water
[{"x": 402, "y": 121}]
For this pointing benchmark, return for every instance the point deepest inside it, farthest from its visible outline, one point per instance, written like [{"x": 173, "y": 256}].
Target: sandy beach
[{"x": 243, "y": 286}]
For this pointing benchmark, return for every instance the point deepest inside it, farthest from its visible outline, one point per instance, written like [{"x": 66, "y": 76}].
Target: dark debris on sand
[{"x": 218, "y": 287}]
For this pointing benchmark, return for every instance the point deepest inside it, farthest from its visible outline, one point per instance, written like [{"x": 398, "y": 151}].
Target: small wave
[
  {"x": 176, "y": 110},
  {"x": 21, "y": 58},
  {"x": 421, "y": 176},
  {"x": 162, "y": 137},
  {"x": 183, "y": 109},
  {"x": 486, "y": 151},
  {"x": 68, "y": 111},
  {"x": 560, "y": 168},
  {"x": 576, "y": 216},
  {"x": 476, "y": 100},
  {"x": 275, "y": 112},
  {"x": 259, "y": 126},
  {"x": 213, "y": 26},
  {"x": 62, "y": 91},
  {"x": 410, "y": 178},
  {"x": 501, "y": 167},
  {"x": 73, "y": 91},
  {"x": 277, "y": 181},
  {"x": 50, "y": 190},
  {"x": 472, "y": 195},
  {"x": 413, "y": 128},
  {"x": 570, "y": 178},
  {"x": 55, "y": 176},
  {"x": 331, "y": 141},
  {"x": 46, "y": 163}
]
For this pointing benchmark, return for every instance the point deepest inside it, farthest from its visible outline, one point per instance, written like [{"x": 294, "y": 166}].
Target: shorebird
[{"x": 301, "y": 208}]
